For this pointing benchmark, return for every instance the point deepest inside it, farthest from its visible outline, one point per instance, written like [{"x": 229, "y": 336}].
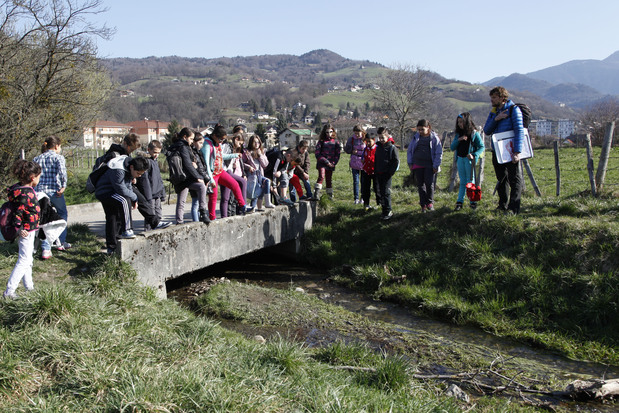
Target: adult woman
[
  {"x": 327, "y": 155},
  {"x": 53, "y": 183},
  {"x": 469, "y": 146},
  {"x": 424, "y": 157},
  {"x": 194, "y": 180}
]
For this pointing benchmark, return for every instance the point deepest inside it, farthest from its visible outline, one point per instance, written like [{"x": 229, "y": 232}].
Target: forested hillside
[{"x": 195, "y": 91}]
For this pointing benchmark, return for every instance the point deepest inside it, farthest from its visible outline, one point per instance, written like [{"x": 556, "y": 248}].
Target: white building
[
  {"x": 543, "y": 127},
  {"x": 565, "y": 128},
  {"x": 290, "y": 138}
]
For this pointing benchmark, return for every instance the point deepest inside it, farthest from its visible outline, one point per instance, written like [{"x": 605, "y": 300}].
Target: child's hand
[{"x": 23, "y": 233}]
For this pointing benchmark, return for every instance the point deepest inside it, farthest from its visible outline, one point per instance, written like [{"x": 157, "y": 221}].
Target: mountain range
[{"x": 577, "y": 83}]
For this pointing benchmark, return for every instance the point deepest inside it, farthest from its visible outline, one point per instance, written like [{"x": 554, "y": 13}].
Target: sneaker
[
  {"x": 47, "y": 254},
  {"x": 11, "y": 296},
  {"x": 110, "y": 251},
  {"x": 163, "y": 224},
  {"x": 388, "y": 216},
  {"x": 128, "y": 234},
  {"x": 473, "y": 205},
  {"x": 285, "y": 201},
  {"x": 423, "y": 208},
  {"x": 368, "y": 207},
  {"x": 458, "y": 206},
  {"x": 246, "y": 210},
  {"x": 259, "y": 210},
  {"x": 430, "y": 207},
  {"x": 269, "y": 206},
  {"x": 65, "y": 246}
]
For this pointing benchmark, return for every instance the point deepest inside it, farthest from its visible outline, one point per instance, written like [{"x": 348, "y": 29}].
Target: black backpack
[
  {"x": 7, "y": 221},
  {"x": 99, "y": 170},
  {"x": 175, "y": 164},
  {"x": 526, "y": 113}
]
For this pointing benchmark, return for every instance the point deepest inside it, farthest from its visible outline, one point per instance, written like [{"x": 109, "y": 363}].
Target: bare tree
[
  {"x": 597, "y": 116},
  {"x": 403, "y": 94},
  {"x": 50, "y": 80}
]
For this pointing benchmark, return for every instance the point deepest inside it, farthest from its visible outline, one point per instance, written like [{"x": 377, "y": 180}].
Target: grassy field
[
  {"x": 547, "y": 276},
  {"x": 90, "y": 339}
]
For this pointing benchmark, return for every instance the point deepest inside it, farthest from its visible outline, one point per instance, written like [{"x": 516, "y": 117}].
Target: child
[
  {"x": 151, "y": 186},
  {"x": 254, "y": 162},
  {"x": 301, "y": 172},
  {"x": 27, "y": 218},
  {"x": 200, "y": 165},
  {"x": 368, "y": 177},
  {"x": 385, "y": 166},
  {"x": 281, "y": 168},
  {"x": 53, "y": 183},
  {"x": 328, "y": 155},
  {"x": 424, "y": 157},
  {"x": 215, "y": 173},
  {"x": 355, "y": 147},
  {"x": 115, "y": 192},
  {"x": 469, "y": 146},
  {"x": 235, "y": 170},
  {"x": 194, "y": 181}
]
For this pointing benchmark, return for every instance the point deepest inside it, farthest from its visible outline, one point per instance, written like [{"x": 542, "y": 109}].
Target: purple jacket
[{"x": 355, "y": 147}]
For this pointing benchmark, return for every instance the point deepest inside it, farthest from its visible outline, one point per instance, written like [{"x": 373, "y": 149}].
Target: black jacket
[{"x": 386, "y": 159}]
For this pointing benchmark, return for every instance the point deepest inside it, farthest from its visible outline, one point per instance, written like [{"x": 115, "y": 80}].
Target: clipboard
[{"x": 503, "y": 144}]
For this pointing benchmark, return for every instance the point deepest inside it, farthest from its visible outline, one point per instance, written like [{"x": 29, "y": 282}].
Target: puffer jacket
[
  {"x": 355, "y": 147},
  {"x": 435, "y": 148},
  {"x": 512, "y": 122}
]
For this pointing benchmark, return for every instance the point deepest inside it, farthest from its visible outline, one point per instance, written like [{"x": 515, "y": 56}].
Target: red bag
[{"x": 473, "y": 192}]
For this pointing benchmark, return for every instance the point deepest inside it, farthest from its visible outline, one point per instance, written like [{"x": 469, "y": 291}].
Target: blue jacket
[
  {"x": 476, "y": 147},
  {"x": 116, "y": 180},
  {"x": 435, "y": 148},
  {"x": 511, "y": 122}
]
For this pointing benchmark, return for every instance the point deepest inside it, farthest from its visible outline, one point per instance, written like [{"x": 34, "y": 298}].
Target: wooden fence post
[
  {"x": 530, "y": 173},
  {"x": 454, "y": 173},
  {"x": 557, "y": 169},
  {"x": 603, "y": 164},
  {"x": 479, "y": 178},
  {"x": 590, "y": 164}
]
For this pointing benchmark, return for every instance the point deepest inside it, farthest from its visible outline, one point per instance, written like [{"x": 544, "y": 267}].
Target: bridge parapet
[{"x": 161, "y": 255}]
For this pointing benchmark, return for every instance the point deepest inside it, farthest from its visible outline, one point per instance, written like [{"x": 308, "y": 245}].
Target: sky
[{"x": 473, "y": 40}]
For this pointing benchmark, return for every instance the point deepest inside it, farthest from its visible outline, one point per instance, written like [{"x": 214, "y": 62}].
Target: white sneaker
[
  {"x": 128, "y": 234},
  {"x": 46, "y": 254},
  {"x": 65, "y": 246}
]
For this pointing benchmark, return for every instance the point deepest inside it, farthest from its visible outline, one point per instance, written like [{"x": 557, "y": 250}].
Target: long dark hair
[
  {"x": 184, "y": 133},
  {"x": 323, "y": 133},
  {"x": 468, "y": 126}
]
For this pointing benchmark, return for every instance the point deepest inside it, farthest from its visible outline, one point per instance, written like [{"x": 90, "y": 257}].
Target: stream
[{"x": 270, "y": 270}]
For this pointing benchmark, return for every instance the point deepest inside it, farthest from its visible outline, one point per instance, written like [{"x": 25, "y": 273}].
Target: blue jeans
[
  {"x": 464, "y": 172},
  {"x": 61, "y": 207},
  {"x": 355, "y": 183}
]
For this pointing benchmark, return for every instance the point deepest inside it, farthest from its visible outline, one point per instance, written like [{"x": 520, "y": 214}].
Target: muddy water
[{"x": 272, "y": 271}]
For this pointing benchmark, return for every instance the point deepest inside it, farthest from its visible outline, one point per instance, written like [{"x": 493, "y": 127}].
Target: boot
[
  {"x": 204, "y": 216},
  {"x": 317, "y": 190},
  {"x": 330, "y": 192},
  {"x": 267, "y": 202}
]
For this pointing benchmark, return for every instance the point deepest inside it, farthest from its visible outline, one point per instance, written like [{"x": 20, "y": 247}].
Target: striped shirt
[{"x": 53, "y": 172}]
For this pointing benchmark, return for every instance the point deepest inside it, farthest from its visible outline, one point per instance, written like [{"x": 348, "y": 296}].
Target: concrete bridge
[{"x": 161, "y": 255}]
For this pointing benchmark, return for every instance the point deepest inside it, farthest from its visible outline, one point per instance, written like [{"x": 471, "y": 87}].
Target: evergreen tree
[
  {"x": 356, "y": 114},
  {"x": 318, "y": 121},
  {"x": 281, "y": 124},
  {"x": 261, "y": 131},
  {"x": 173, "y": 129}
]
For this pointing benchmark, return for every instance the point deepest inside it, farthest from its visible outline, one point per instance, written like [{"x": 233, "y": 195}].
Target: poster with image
[{"x": 504, "y": 144}]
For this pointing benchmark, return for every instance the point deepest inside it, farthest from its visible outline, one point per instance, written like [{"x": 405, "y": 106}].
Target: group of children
[
  {"x": 374, "y": 163},
  {"x": 240, "y": 167}
]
